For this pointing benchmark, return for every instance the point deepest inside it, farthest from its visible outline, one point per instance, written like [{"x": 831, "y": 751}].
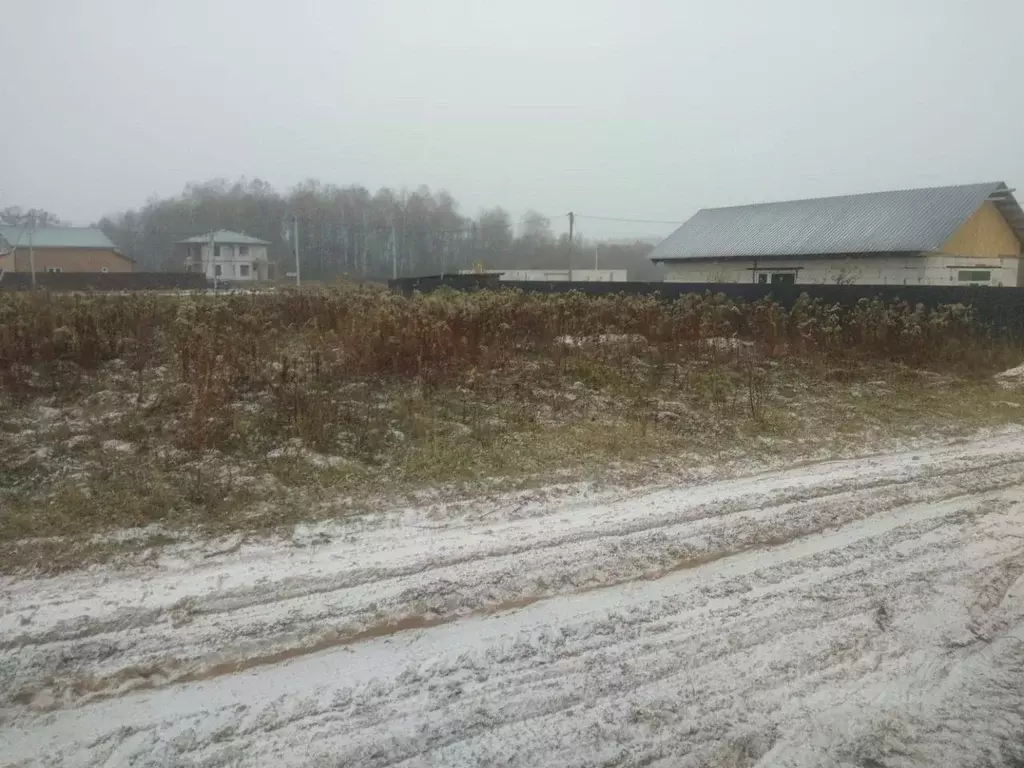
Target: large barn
[{"x": 962, "y": 235}]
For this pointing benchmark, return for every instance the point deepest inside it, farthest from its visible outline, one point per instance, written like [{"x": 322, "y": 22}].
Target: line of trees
[
  {"x": 15, "y": 216},
  {"x": 347, "y": 231}
]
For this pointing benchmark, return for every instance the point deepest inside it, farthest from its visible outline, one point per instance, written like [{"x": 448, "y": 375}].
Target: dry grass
[{"x": 252, "y": 411}]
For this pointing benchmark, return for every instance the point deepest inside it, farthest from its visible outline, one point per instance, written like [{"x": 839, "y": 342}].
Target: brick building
[{"x": 59, "y": 249}]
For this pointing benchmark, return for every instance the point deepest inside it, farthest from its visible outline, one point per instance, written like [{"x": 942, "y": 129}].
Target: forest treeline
[{"x": 351, "y": 231}]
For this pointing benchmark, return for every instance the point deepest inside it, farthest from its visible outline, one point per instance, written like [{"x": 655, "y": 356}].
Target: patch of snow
[
  {"x": 295, "y": 449},
  {"x": 118, "y": 446},
  {"x": 602, "y": 339},
  {"x": 1013, "y": 377},
  {"x": 127, "y": 535},
  {"x": 47, "y": 413},
  {"x": 726, "y": 344}
]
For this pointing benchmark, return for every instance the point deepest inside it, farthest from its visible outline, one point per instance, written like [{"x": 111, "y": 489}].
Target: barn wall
[
  {"x": 887, "y": 270},
  {"x": 984, "y": 235},
  {"x": 937, "y": 269}
]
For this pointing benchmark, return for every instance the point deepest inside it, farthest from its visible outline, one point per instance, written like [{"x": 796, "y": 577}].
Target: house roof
[
  {"x": 908, "y": 220},
  {"x": 225, "y": 237},
  {"x": 57, "y": 237}
]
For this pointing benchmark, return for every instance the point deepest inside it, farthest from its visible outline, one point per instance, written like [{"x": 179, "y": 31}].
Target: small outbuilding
[{"x": 960, "y": 235}]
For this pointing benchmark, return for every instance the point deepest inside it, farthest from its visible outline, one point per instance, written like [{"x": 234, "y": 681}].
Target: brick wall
[{"x": 67, "y": 260}]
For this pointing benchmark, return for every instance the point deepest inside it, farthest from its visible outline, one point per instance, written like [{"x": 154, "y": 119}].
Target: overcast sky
[{"x": 627, "y": 108}]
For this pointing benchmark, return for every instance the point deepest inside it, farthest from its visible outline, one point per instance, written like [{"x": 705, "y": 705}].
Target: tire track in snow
[
  {"x": 726, "y": 658},
  {"x": 65, "y": 670},
  {"x": 662, "y": 509},
  {"x": 517, "y": 674}
]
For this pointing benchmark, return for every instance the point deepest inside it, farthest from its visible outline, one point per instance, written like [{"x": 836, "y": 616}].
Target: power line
[
  {"x": 477, "y": 227},
  {"x": 635, "y": 221}
]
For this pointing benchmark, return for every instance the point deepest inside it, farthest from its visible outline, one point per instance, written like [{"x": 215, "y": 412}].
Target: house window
[
  {"x": 243, "y": 270},
  {"x": 54, "y": 270},
  {"x": 243, "y": 250},
  {"x": 762, "y": 278},
  {"x": 974, "y": 276},
  {"x": 783, "y": 278},
  {"x": 217, "y": 270}
]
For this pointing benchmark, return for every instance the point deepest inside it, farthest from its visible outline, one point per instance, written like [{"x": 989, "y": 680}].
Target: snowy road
[{"x": 856, "y": 613}]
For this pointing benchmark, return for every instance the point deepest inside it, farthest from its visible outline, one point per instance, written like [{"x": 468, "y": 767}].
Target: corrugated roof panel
[
  {"x": 878, "y": 222},
  {"x": 57, "y": 237}
]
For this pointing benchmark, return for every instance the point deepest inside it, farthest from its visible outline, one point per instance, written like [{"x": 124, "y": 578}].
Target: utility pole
[
  {"x": 595, "y": 257},
  {"x": 31, "y": 250},
  {"x": 295, "y": 245},
  {"x": 394, "y": 253},
  {"x": 363, "y": 234},
  {"x": 213, "y": 259},
  {"x": 572, "y": 229}
]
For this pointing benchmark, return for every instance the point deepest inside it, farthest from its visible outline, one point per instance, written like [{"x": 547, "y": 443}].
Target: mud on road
[{"x": 852, "y": 613}]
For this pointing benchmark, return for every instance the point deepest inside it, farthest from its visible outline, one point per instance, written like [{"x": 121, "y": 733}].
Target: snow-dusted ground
[{"x": 854, "y": 613}]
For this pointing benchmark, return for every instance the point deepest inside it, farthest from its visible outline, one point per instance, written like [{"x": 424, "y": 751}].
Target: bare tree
[
  {"x": 495, "y": 234},
  {"x": 16, "y": 216},
  {"x": 537, "y": 228},
  {"x": 348, "y": 231}
]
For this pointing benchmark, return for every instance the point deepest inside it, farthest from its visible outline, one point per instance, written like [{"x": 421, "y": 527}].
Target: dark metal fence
[
  {"x": 105, "y": 281},
  {"x": 1002, "y": 308}
]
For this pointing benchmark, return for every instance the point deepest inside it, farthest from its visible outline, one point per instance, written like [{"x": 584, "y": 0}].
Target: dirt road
[{"x": 854, "y": 613}]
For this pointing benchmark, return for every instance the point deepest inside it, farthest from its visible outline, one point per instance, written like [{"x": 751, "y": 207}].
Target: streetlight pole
[
  {"x": 295, "y": 245},
  {"x": 213, "y": 259},
  {"x": 31, "y": 250},
  {"x": 572, "y": 227}
]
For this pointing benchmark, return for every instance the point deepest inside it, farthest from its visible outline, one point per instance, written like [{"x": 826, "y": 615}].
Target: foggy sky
[{"x": 610, "y": 107}]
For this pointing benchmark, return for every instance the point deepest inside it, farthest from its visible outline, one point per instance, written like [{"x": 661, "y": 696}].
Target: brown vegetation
[{"x": 124, "y": 410}]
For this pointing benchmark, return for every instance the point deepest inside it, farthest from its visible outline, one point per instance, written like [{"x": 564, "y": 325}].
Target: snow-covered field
[{"x": 855, "y": 613}]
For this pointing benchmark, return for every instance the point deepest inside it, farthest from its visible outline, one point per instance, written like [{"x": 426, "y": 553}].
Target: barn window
[
  {"x": 763, "y": 277},
  {"x": 974, "y": 276},
  {"x": 783, "y": 278}
]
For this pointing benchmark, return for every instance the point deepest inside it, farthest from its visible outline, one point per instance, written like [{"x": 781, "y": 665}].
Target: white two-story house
[{"x": 226, "y": 255}]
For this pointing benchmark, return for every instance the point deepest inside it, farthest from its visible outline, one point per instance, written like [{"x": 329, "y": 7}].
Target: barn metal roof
[
  {"x": 57, "y": 237},
  {"x": 907, "y": 220}
]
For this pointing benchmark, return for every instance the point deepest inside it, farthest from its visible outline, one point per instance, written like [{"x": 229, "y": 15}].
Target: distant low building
[
  {"x": 60, "y": 249},
  {"x": 556, "y": 275},
  {"x": 235, "y": 256},
  {"x": 961, "y": 235}
]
